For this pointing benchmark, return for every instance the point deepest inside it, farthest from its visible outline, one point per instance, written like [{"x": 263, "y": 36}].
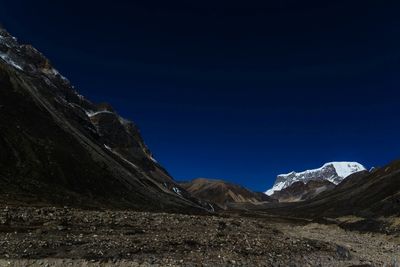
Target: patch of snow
[
  {"x": 177, "y": 191},
  {"x": 211, "y": 206},
  {"x": 55, "y": 72},
  {"x": 332, "y": 179},
  {"x": 344, "y": 169},
  {"x": 372, "y": 169},
  {"x": 152, "y": 159},
  {"x": 123, "y": 120},
  {"x": 8, "y": 60},
  {"x": 279, "y": 186},
  {"x": 81, "y": 97},
  {"x": 91, "y": 113},
  {"x": 120, "y": 156}
]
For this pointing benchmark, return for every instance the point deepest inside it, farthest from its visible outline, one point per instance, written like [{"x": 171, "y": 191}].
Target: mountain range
[
  {"x": 365, "y": 194},
  {"x": 334, "y": 172},
  {"x": 59, "y": 148}
]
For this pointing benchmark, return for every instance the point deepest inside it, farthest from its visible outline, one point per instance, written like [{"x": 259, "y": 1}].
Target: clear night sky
[{"x": 241, "y": 92}]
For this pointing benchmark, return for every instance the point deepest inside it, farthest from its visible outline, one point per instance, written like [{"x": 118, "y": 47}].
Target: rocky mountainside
[
  {"x": 334, "y": 172},
  {"x": 58, "y": 147},
  {"x": 365, "y": 194},
  {"x": 222, "y": 193},
  {"x": 300, "y": 191}
]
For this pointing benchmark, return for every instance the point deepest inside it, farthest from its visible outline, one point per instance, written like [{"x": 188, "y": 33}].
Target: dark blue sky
[{"x": 242, "y": 91}]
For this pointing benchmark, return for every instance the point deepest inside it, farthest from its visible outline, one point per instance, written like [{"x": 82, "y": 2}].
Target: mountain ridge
[
  {"x": 334, "y": 172},
  {"x": 223, "y": 193},
  {"x": 58, "y": 147},
  {"x": 301, "y": 191},
  {"x": 365, "y": 194}
]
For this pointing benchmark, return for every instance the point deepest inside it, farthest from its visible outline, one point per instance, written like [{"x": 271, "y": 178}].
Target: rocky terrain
[
  {"x": 300, "y": 191},
  {"x": 222, "y": 193},
  {"x": 64, "y": 236}
]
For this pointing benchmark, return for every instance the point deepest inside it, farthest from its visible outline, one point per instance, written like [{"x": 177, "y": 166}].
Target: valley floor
[{"x": 70, "y": 237}]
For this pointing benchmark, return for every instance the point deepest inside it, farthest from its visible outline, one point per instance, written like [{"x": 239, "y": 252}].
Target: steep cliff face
[{"x": 56, "y": 146}]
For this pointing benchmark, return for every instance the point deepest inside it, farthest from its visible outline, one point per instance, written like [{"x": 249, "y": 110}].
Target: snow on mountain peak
[
  {"x": 334, "y": 172},
  {"x": 344, "y": 169}
]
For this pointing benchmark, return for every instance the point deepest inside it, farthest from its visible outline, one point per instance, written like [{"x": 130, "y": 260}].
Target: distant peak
[
  {"x": 340, "y": 166},
  {"x": 334, "y": 172},
  {"x": 209, "y": 180}
]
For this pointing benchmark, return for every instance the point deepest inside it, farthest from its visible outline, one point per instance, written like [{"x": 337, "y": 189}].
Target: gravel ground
[
  {"x": 71, "y": 237},
  {"x": 367, "y": 248}
]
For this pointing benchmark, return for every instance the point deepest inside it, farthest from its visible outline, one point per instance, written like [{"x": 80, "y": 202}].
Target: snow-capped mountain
[{"x": 334, "y": 172}]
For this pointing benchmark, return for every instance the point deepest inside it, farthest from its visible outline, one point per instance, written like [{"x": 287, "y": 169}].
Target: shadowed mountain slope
[
  {"x": 300, "y": 191},
  {"x": 58, "y": 147}
]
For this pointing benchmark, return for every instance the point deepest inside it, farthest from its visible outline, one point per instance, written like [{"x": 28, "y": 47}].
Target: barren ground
[{"x": 70, "y": 237}]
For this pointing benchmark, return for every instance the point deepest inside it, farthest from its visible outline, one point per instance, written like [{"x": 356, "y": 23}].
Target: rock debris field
[{"x": 49, "y": 236}]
